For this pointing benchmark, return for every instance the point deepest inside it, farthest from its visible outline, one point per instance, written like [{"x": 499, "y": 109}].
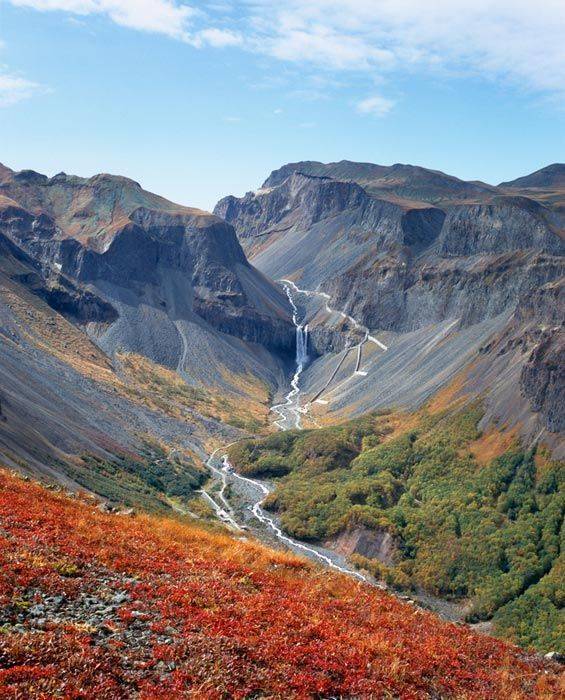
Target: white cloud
[
  {"x": 376, "y": 104},
  {"x": 161, "y": 16},
  {"x": 511, "y": 40},
  {"x": 218, "y": 38},
  {"x": 14, "y": 89},
  {"x": 516, "y": 41}
]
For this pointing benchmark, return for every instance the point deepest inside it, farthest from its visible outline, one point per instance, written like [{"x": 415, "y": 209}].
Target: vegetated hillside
[
  {"x": 106, "y": 606},
  {"x": 437, "y": 268},
  {"x": 134, "y": 334},
  {"x": 122, "y": 426},
  {"x": 429, "y": 501}
]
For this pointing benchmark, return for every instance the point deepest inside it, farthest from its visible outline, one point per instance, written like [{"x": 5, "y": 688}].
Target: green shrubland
[
  {"x": 146, "y": 480},
  {"x": 490, "y": 533}
]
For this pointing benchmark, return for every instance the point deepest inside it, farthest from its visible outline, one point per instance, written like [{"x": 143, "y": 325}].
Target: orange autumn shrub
[{"x": 104, "y": 606}]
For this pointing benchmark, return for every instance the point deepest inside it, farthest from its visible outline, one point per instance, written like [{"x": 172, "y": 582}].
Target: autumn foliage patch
[{"x": 97, "y": 605}]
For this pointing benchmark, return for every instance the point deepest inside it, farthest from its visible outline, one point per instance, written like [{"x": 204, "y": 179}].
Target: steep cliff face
[
  {"x": 505, "y": 224},
  {"x": 396, "y": 294},
  {"x": 399, "y": 268},
  {"x": 418, "y": 254},
  {"x": 541, "y": 320},
  {"x": 136, "y": 249},
  {"x": 71, "y": 300},
  {"x": 543, "y": 379},
  {"x": 302, "y": 201}
]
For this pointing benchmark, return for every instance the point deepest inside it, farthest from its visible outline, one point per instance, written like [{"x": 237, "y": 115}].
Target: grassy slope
[
  {"x": 105, "y": 606},
  {"x": 472, "y": 520}
]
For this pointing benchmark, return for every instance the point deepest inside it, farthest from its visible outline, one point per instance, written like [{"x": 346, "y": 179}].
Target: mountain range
[
  {"x": 457, "y": 276},
  {"x": 378, "y": 351}
]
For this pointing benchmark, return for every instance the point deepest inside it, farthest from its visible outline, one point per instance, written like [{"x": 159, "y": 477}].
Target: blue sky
[{"x": 197, "y": 100}]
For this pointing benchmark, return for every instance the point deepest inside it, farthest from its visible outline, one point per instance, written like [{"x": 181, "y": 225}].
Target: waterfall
[
  {"x": 301, "y": 345},
  {"x": 290, "y": 411}
]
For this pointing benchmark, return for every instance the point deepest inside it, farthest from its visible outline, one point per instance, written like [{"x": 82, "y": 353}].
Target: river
[{"x": 244, "y": 508}]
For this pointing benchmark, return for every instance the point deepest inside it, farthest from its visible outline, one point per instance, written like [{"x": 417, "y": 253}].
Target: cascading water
[
  {"x": 301, "y": 345},
  {"x": 289, "y": 416},
  {"x": 290, "y": 412}
]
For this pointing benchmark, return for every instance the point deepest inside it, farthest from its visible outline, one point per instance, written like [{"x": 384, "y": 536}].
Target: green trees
[{"x": 489, "y": 533}]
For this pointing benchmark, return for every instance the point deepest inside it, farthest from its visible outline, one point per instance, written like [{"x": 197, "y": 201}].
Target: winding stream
[{"x": 289, "y": 416}]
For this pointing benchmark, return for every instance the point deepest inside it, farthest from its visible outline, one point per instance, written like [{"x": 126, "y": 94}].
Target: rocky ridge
[
  {"x": 102, "y": 282},
  {"x": 406, "y": 250}
]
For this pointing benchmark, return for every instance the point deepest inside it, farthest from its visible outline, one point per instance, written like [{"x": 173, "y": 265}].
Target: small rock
[
  {"x": 105, "y": 508},
  {"x": 120, "y": 598},
  {"x": 556, "y": 656},
  {"x": 37, "y": 610}
]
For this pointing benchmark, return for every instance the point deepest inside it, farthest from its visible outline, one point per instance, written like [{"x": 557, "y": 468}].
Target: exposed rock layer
[{"x": 404, "y": 249}]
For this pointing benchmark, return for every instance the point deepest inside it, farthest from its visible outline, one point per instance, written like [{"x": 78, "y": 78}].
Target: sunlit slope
[
  {"x": 101, "y": 605},
  {"x": 430, "y": 502}
]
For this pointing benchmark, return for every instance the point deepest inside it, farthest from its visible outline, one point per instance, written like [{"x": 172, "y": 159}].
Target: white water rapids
[{"x": 226, "y": 515}]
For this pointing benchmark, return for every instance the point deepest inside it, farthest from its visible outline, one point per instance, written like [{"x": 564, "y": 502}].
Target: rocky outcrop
[
  {"x": 372, "y": 544},
  {"x": 474, "y": 274},
  {"x": 271, "y": 333},
  {"x": 302, "y": 201},
  {"x": 108, "y": 233},
  {"x": 543, "y": 379},
  {"x": 506, "y": 224},
  {"x": 392, "y": 266},
  {"x": 538, "y": 325},
  {"x": 398, "y": 294},
  {"x": 63, "y": 295}
]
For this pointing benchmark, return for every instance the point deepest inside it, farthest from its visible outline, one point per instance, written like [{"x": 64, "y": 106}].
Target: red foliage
[{"x": 207, "y": 616}]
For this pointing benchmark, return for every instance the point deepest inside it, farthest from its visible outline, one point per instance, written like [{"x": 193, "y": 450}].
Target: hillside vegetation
[
  {"x": 106, "y": 606},
  {"x": 487, "y": 531}
]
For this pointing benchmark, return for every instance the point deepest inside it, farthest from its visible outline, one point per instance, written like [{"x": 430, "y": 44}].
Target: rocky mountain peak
[
  {"x": 179, "y": 263},
  {"x": 91, "y": 210},
  {"x": 5, "y": 172},
  {"x": 399, "y": 182},
  {"x": 552, "y": 176}
]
